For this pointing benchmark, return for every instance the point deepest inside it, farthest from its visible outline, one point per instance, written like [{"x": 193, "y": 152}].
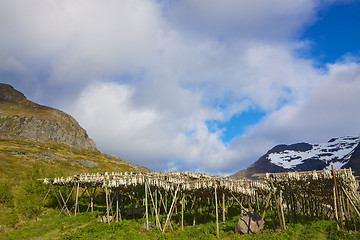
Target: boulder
[{"x": 249, "y": 223}]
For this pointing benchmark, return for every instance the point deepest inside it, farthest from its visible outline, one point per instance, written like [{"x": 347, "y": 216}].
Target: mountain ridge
[
  {"x": 342, "y": 152},
  {"x": 35, "y": 135},
  {"x": 20, "y": 117}
]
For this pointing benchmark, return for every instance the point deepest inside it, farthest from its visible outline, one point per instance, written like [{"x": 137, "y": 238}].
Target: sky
[{"x": 206, "y": 86}]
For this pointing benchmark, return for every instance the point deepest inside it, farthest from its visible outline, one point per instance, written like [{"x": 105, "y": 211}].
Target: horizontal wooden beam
[{"x": 263, "y": 175}]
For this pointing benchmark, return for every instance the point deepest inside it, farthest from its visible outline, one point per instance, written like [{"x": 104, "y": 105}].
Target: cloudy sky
[{"x": 206, "y": 85}]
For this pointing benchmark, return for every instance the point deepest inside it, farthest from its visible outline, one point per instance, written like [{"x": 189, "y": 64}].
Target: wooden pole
[
  {"x": 117, "y": 205},
  {"x": 351, "y": 202},
  {"x": 163, "y": 204},
  {"x": 111, "y": 200},
  {"x": 348, "y": 209},
  {"x": 92, "y": 200},
  {"x": 58, "y": 200},
  {"x": 89, "y": 194},
  {"x": 337, "y": 198},
  {"x": 122, "y": 197},
  {"x": 293, "y": 202},
  {"x": 282, "y": 210},
  {"x": 46, "y": 195},
  {"x": 182, "y": 212},
  {"x": 216, "y": 212},
  {"x": 345, "y": 201},
  {"x": 335, "y": 210},
  {"x": 242, "y": 207},
  {"x": 133, "y": 205},
  {"x": 160, "y": 203},
  {"x": 166, "y": 200},
  {"x": 195, "y": 210},
  {"x": 288, "y": 209},
  {"x": 240, "y": 204},
  {"x": 65, "y": 206},
  {"x": 267, "y": 203},
  {"x": 146, "y": 206},
  {"x": 223, "y": 208},
  {"x": 342, "y": 207},
  {"x": 265, "y": 207},
  {"x": 107, "y": 202},
  {"x": 277, "y": 205},
  {"x": 171, "y": 209},
  {"x": 156, "y": 203},
  {"x": 77, "y": 198},
  {"x": 121, "y": 207},
  {"x": 155, "y": 208}
]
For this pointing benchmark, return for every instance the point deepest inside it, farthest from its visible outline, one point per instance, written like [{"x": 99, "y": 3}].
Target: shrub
[
  {"x": 6, "y": 195},
  {"x": 8, "y": 214},
  {"x": 30, "y": 193}
]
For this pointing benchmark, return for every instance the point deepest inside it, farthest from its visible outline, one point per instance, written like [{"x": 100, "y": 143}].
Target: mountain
[
  {"x": 39, "y": 142},
  {"x": 343, "y": 152},
  {"x": 35, "y": 135},
  {"x": 20, "y": 117}
]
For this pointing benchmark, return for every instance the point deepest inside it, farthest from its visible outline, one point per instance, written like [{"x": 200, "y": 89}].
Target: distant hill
[
  {"x": 18, "y": 157},
  {"x": 343, "y": 152},
  {"x": 39, "y": 142},
  {"x": 20, "y": 117},
  {"x": 32, "y": 134}
]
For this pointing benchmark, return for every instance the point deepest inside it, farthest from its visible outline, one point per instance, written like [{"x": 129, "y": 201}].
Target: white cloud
[
  {"x": 255, "y": 20},
  {"x": 144, "y": 76},
  {"x": 144, "y": 134},
  {"x": 330, "y": 110},
  {"x": 81, "y": 39}
]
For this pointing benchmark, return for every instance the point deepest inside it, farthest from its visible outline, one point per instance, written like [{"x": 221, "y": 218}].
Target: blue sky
[
  {"x": 236, "y": 125},
  {"x": 206, "y": 86},
  {"x": 335, "y": 34}
]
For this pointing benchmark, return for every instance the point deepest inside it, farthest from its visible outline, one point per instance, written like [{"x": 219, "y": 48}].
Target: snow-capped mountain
[{"x": 343, "y": 152}]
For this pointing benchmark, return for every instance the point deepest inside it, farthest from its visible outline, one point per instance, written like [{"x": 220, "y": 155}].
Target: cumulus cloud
[
  {"x": 329, "y": 110},
  {"x": 77, "y": 40},
  {"x": 144, "y": 76},
  {"x": 256, "y": 20},
  {"x": 147, "y": 134}
]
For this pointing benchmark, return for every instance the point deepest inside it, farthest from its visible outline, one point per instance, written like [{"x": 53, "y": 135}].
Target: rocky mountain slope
[
  {"x": 343, "y": 152},
  {"x": 31, "y": 134},
  {"x": 20, "y": 117}
]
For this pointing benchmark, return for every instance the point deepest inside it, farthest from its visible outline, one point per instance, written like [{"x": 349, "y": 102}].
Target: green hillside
[
  {"x": 23, "y": 161},
  {"x": 19, "y": 156},
  {"x": 24, "y": 215}
]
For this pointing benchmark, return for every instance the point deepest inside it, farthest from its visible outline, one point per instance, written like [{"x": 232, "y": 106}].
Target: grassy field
[
  {"x": 23, "y": 161},
  {"x": 85, "y": 226},
  {"x": 19, "y": 156}
]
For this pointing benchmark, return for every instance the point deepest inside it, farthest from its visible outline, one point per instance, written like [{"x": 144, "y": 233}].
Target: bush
[
  {"x": 8, "y": 214},
  {"x": 6, "y": 195},
  {"x": 30, "y": 193}
]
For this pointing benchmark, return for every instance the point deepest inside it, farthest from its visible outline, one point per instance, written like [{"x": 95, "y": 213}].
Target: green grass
[
  {"x": 14, "y": 165},
  {"x": 29, "y": 109},
  {"x": 23, "y": 161},
  {"x": 85, "y": 226}
]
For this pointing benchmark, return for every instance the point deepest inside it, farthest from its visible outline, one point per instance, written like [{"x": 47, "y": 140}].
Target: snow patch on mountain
[{"x": 337, "y": 151}]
